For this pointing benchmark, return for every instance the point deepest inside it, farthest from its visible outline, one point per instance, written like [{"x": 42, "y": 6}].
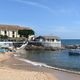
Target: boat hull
[{"x": 74, "y": 53}]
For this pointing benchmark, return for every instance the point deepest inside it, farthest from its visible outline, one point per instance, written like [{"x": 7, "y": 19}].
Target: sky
[{"x": 46, "y": 17}]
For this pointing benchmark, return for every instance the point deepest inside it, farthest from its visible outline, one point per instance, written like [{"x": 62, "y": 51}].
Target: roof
[
  {"x": 51, "y": 37},
  {"x": 13, "y": 27},
  {"x": 48, "y": 37}
]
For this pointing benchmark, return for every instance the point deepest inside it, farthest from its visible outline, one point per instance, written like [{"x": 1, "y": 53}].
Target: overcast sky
[{"x": 46, "y": 17}]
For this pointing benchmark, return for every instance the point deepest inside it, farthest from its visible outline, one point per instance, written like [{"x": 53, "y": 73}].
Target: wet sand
[{"x": 14, "y": 69}]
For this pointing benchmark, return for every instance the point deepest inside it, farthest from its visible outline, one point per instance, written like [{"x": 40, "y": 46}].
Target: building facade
[
  {"x": 49, "y": 41},
  {"x": 11, "y": 30}
]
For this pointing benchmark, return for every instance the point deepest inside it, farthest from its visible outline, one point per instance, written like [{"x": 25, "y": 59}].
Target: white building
[
  {"x": 11, "y": 30},
  {"x": 49, "y": 41}
]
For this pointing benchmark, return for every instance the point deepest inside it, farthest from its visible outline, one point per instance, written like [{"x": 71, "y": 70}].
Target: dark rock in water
[
  {"x": 33, "y": 47},
  {"x": 71, "y": 46},
  {"x": 29, "y": 47}
]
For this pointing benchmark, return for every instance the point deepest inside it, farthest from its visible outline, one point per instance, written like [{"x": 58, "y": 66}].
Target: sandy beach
[{"x": 14, "y": 69}]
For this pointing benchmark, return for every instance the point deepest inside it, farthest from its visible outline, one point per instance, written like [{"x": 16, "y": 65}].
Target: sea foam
[{"x": 45, "y": 65}]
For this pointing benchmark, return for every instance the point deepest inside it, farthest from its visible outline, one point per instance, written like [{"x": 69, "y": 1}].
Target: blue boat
[
  {"x": 74, "y": 52},
  {"x": 3, "y": 50}
]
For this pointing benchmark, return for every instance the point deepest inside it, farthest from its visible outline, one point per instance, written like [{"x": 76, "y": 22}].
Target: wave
[{"x": 45, "y": 65}]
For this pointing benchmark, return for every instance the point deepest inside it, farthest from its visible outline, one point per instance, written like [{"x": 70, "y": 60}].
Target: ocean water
[
  {"x": 59, "y": 59},
  {"x": 70, "y": 41}
]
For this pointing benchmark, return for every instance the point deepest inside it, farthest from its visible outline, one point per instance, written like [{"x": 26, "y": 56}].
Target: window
[
  {"x": 13, "y": 36},
  {"x": 5, "y": 32},
  {"x": 57, "y": 40},
  {"x": 52, "y": 39},
  {"x": 13, "y": 32}
]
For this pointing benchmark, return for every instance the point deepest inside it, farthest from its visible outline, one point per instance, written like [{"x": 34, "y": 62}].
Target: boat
[
  {"x": 7, "y": 50},
  {"x": 74, "y": 52},
  {"x": 6, "y": 44},
  {"x": 10, "y": 43}
]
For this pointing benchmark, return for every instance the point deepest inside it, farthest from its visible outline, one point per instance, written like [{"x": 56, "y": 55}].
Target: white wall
[
  {"x": 15, "y": 35},
  {"x": 52, "y": 44},
  {"x": 9, "y": 33},
  {"x": 2, "y": 32}
]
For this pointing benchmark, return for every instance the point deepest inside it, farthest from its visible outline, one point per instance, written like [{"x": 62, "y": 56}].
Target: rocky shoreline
[{"x": 34, "y": 47}]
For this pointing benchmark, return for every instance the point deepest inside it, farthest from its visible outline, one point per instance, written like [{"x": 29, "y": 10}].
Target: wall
[
  {"x": 9, "y": 33},
  {"x": 52, "y": 44}
]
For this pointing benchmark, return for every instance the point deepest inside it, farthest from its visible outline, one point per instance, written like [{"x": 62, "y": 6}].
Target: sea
[
  {"x": 70, "y": 41},
  {"x": 58, "y": 59}
]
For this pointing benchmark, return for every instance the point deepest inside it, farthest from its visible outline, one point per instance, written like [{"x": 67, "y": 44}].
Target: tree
[{"x": 26, "y": 33}]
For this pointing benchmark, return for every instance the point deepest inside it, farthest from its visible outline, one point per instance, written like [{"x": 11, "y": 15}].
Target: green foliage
[
  {"x": 3, "y": 36},
  {"x": 25, "y": 32}
]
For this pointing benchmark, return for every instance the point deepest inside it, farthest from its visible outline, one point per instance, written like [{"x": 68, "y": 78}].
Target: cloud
[
  {"x": 69, "y": 12},
  {"x": 62, "y": 29},
  {"x": 59, "y": 11},
  {"x": 35, "y": 4}
]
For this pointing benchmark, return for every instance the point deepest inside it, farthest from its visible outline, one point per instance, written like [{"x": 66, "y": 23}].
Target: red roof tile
[{"x": 13, "y": 27}]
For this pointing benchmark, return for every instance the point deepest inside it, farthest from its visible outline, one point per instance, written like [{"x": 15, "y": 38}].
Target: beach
[{"x": 13, "y": 69}]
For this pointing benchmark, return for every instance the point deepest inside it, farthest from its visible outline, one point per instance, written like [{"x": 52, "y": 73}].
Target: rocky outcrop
[
  {"x": 33, "y": 47},
  {"x": 72, "y": 46}
]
